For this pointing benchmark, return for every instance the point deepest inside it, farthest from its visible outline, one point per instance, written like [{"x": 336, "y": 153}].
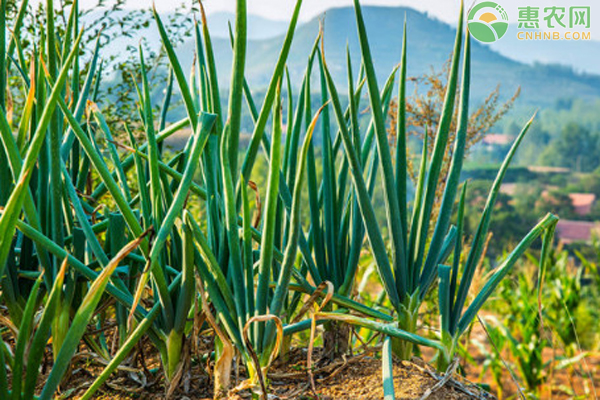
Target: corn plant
[
  {"x": 492, "y": 351},
  {"x": 533, "y": 320},
  {"x": 524, "y": 331},
  {"x": 565, "y": 298}
]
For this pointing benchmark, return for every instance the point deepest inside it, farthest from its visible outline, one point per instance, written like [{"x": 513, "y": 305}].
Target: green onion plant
[
  {"x": 100, "y": 221},
  {"x": 420, "y": 245}
]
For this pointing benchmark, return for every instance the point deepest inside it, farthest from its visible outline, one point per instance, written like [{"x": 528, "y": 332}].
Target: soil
[
  {"x": 362, "y": 380},
  {"x": 356, "y": 377},
  {"x": 353, "y": 378}
]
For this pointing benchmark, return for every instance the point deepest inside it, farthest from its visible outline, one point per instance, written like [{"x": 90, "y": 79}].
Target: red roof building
[
  {"x": 498, "y": 139},
  {"x": 582, "y": 202},
  {"x": 568, "y": 231}
]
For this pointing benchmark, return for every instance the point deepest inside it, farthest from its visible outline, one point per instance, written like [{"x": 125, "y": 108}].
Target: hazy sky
[
  {"x": 445, "y": 10},
  {"x": 281, "y": 9}
]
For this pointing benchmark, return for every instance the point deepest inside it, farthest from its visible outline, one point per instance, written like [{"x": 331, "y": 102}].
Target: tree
[
  {"x": 557, "y": 202},
  {"x": 110, "y": 23},
  {"x": 423, "y": 111},
  {"x": 576, "y": 148},
  {"x": 537, "y": 138}
]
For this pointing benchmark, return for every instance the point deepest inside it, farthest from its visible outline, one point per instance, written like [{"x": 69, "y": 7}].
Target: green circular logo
[{"x": 488, "y": 21}]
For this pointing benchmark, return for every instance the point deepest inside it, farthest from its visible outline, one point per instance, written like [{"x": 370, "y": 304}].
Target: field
[{"x": 163, "y": 235}]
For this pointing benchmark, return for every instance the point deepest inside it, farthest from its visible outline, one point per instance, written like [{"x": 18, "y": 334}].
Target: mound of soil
[
  {"x": 356, "y": 378},
  {"x": 360, "y": 378},
  {"x": 411, "y": 381}
]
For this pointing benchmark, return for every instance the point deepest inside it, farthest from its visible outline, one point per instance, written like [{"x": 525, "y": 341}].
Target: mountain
[
  {"x": 430, "y": 43},
  {"x": 259, "y": 28}
]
